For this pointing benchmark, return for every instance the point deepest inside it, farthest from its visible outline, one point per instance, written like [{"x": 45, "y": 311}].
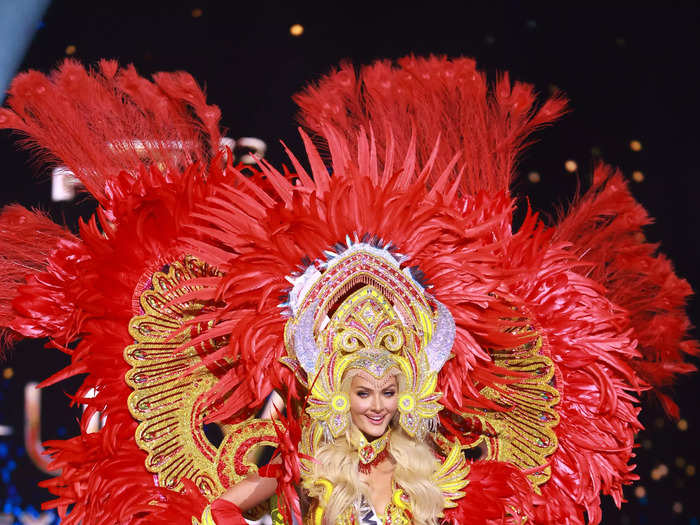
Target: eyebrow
[{"x": 381, "y": 389}]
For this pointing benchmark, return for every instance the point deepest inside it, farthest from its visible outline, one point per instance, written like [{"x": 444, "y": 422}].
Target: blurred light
[
  {"x": 570, "y": 166},
  {"x": 677, "y": 507},
  {"x": 97, "y": 420},
  {"x": 71, "y": 49},
  {"x": 690, "y": 470},
  {"x": 682, "y": 425},
  {"x": 273, "y": 405},
  {"x": 250, "y": 149},
  {"x": 196, "y": 12},
  {"x": 553, "y": 89},
  {"x": 680, "y": 462},
  {"x": 534, "y": 177},
  {"x": 489, "y": 40},
  {"x": 296, "y": 30},
  {"x": 8, "y": 373},
  {"x": 635, "y": 145},
  {"x": 663, "y": 470},
  {"x": 32, "y": 428},
  {"x": 637, "y": 176},
  {"x": 63, "y": 184},
  {"x": 659, "y": 422},
  {"x": 227, "y": 142},
  {"x": 621, "y": 42},
  {"x": 5, "y": 430},
  {"x": 19, "y": 20},
  {"x": 596, "y": 151},
  {"x": 640, "y": 491},
  {"x": 647, "y": 444}
]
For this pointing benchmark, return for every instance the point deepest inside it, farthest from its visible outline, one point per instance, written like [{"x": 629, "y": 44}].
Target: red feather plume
[
  {"x": 108, "y": 120},
  {"x": 26, "y": 238},
  {"x": 605, "y": 229}
]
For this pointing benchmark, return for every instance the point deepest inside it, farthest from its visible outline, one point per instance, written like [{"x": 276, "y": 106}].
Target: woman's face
[{"x": 373, "y": 403}]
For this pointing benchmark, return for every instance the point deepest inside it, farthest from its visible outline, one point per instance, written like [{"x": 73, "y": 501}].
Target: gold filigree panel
[
  {"x": 522, "y": 432},
  {"x": 169, "y": 397},
  {"x": 170, "y": 403}
]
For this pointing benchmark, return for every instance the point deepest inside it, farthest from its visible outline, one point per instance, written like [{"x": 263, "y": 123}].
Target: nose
[{"x": 376, "y": 403}]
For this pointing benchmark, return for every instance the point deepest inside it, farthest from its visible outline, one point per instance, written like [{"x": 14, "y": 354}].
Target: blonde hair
[{"x": 337, "y": 462}]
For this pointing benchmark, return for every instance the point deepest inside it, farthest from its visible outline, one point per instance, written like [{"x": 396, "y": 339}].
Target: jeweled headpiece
[{"x": 360, "y": 310}]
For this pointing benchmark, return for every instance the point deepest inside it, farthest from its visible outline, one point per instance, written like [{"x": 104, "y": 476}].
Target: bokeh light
[
  {"x": 296, "y": 30},
  {"x": 661, "y": 471},
  {"x": 570, "y": 166},
  {"x": 635, "y": 145},
  {"x": 534, "y": 177},
  {"x": 71, "y": 49},
  {"x": 638, "y": 176}
]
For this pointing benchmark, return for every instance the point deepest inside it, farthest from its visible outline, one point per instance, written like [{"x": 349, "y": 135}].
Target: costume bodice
[{"x": 397, "y": 512}]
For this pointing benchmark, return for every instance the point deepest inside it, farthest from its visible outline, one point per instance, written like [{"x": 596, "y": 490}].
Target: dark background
[{"x": 630, "y": 71}]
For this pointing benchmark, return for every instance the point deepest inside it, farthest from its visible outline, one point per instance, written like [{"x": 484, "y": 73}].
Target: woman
[
  {"x": 372, "y": 400},
  {"x": 364, "y": 485}
]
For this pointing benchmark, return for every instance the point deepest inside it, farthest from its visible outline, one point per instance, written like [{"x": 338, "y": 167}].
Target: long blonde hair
[{"x": 337, "y": 462}]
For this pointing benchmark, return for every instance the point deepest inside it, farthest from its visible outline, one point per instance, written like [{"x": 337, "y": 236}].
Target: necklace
[{"x": 371, "y": 454}]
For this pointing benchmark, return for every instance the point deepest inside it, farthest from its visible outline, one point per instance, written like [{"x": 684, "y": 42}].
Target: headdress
[
  {"x": 360, "y": 310},
  {"x": 530, "y": 344}
]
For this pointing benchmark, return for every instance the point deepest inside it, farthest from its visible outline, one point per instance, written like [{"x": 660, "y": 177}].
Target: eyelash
[{"x": 387, "y": 393}]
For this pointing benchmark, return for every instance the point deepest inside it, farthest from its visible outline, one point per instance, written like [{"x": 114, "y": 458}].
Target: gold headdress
[{"x": 360, "y": 310}]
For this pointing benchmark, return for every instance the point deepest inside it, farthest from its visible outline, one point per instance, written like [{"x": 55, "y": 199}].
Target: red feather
[
  {"x": 26, "y": 239},
  {"x": 605, "y": 229},
  {"x": 497, "y": 493},
  {"x": 104, "y": 121}
]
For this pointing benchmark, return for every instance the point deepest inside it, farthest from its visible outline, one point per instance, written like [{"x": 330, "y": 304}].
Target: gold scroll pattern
[
  {"x": 523, "y": 432},
  {"x": 169, "y": 397}
]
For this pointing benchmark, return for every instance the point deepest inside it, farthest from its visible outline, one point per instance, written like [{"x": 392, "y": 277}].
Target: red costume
[{"x": 168, "y": 299}]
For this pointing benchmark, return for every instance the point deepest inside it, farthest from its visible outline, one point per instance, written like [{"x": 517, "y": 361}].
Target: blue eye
[
  {"x": 389, "y": 393},
  {"x": 362, "y": 394}
]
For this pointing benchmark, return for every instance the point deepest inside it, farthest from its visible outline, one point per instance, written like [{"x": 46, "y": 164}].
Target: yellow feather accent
[
  {"x": 451, "y": 477},
  {"x": 206, "y": 518},
  {"x": 325, "y": 498}
]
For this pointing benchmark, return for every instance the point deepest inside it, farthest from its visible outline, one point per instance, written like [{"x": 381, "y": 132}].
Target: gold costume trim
[
  {"x": 523, "y": 432},
  {"x": 169, "y": 387}
]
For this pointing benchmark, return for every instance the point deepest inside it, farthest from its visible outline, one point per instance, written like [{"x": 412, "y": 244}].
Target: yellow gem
[
  {"x": 340, "y": 403},
  {"x": 407, "y": 402}
]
